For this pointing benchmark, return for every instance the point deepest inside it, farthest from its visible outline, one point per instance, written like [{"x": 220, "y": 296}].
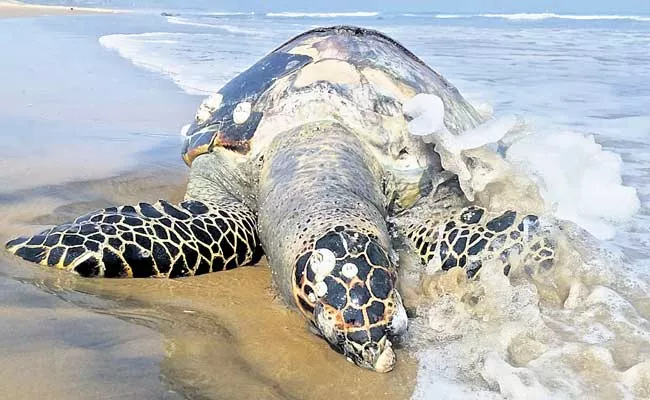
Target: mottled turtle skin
[{"x": 306, "y": 157}]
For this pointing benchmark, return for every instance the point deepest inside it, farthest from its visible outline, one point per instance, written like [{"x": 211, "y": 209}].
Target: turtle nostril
[
  {"x": 371, "y": 352},
  {"x": 371, "y": 347}
]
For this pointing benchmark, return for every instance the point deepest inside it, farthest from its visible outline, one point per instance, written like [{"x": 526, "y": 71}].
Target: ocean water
[{"x": 578, "y": 85}]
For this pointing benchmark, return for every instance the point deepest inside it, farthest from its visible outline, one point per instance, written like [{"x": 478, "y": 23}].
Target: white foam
[
  {"x": 289, "y": 14},
  {"x": 542, "y": 16},
  {"x": 451, "y": 16},
  {"x": 185, "y": 129},
  {"x": 216, "y": 25},
  {"x": 492, "y": 339},
  {"x": 182, "y": 57},
  {"x": 580, "y": 180},
  {"x": 515, "y": 383},
  {"x": 228, "y": 13}
]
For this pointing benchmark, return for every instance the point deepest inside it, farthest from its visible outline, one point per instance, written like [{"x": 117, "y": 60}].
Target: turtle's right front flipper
[
  {"x": 160, "y": 239},
  {"x": 465, "y": 237}
]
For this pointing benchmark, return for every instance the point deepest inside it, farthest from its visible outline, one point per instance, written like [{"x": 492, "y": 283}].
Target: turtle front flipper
[
  {"x": 466, "y": 238},
  {"x": 158, "y": 240}
]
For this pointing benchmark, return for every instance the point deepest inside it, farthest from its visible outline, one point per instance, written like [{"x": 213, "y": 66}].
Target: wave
[
  {"x": 540, "y": 16},
  {"x": 322, "y": 15},
  {"x": 228, "y": 14},
  {"x": 543, "y": 16},
  {"x": 169, "y": 54},
  {"x": 228, "y": 28},
  {"x": 452, "y": 16}
]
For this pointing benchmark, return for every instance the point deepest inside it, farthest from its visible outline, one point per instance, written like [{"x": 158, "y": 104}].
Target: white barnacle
[
  {"x": 386, "y": 360},
  {"x": 399, "y": 322},
  {"x": 320, "y": 289},
  {"x": 207, "y": 107},
  {"x": 312, "y": 297},
  {"x": 349, "y": 270},
  {"x": 322, "y": 262},
  {"x": 241, "y": 112}
]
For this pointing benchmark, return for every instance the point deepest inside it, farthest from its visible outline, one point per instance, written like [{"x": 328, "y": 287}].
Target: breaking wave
[
  {"x": 541, "y": 16},
  {"x": 228, "y": 14},
  {"x": 288, "y": 14},
  {"x": 228, "y": 28}
]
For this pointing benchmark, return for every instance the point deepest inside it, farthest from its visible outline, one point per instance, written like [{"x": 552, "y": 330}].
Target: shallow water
[{"x": 52, "y": 349}]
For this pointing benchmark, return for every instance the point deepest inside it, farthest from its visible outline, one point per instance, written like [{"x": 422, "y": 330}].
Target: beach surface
[{"x": 13, "y": 9}]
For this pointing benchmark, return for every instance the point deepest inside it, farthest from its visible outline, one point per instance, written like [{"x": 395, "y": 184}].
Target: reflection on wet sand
[{"x": 225, "y": 335}]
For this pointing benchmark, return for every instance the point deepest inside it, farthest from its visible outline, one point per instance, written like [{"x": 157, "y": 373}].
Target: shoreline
[{"x": 16, "y": 9}]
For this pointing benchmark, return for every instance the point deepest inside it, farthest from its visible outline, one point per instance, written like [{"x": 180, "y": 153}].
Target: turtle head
[
  {"x": 350, "y": 332},
  {"x": 345, "y": 285}
]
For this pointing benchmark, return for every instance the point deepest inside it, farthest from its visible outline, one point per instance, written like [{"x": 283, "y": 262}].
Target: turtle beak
[
  {"x": 386, "y": 360},
  {"x": 376, "y": 355},
  {"x": 380, "y": 356}
]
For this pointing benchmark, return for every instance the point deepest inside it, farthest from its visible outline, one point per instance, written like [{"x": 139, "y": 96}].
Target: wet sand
[
  {"x": 222, "y": 335},
  {"x": 14, "y": 9},
  {"x": 55, "y": 350}
]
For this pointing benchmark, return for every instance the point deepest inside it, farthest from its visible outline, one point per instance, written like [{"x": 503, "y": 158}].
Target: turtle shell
[{"x": 383, "y": 70}]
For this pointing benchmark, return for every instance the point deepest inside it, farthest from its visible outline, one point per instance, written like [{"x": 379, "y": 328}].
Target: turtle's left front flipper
[{"x": 160, "y": 240}]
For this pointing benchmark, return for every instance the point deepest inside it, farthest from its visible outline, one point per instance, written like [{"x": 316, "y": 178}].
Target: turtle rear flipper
[{"x": 159, "y": 240}]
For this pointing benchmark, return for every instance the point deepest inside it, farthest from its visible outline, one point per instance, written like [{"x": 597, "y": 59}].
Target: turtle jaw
[
  {"x": 378, "y": 357},
  {"x": 375, "y": 354}
]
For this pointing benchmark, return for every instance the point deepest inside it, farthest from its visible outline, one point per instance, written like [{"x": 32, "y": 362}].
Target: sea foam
[
  {"x": 289, "y": 14},
  {"x": 541, "y": 16},
  {"x": 182, "y": 57},
  {"x": 216, "y": 25},
  {"x": 579, "y": 179}
]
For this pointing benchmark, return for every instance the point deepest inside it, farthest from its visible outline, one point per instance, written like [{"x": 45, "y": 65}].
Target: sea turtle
[{"x": 306, "y": 158}]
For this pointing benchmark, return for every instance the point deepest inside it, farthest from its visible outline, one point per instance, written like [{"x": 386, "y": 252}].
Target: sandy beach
[{"x": 15, "y": 9}]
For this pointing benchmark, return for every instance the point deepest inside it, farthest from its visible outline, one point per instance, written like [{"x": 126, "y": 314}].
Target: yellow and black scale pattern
[
  {"x": 462, "y": 238},
  {"x": 147, "y": 240},
  {"x": 360, "y": 303}
]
